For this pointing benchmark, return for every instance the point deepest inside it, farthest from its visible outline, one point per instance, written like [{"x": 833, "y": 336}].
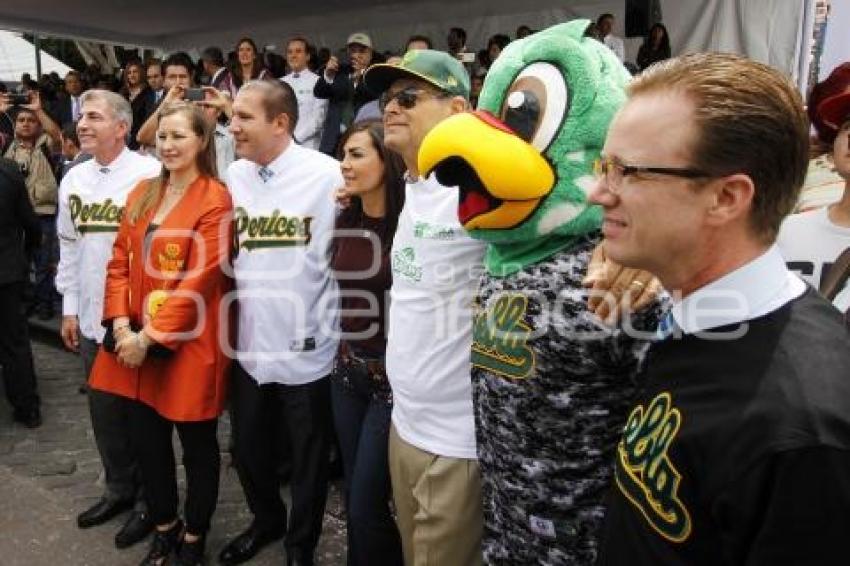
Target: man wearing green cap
[{"x": 432, "y": 452}]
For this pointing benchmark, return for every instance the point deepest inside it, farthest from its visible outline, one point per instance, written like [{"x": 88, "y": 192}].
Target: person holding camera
[
  {"x": 36, "y": 139},
  {"x": 178, "y": 69},
  {"x": 343, "y": 86}
]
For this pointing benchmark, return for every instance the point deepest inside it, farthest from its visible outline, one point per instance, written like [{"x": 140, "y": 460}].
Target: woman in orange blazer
[{"x": 166, "y": 305}]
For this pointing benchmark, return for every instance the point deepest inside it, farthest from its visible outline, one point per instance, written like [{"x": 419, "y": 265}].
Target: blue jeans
[
  {"x": 362, "y": 423},
  {"x": 45, "y": 260}
]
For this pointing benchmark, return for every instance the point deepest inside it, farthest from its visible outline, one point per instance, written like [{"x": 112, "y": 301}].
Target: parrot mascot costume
[{"x": 552, "y": 384}]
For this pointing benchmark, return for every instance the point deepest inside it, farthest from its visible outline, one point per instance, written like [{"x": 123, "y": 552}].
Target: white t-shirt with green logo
[{"x": 436, "y": 267}]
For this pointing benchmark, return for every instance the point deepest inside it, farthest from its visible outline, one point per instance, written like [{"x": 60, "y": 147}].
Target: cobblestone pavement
[{"x": 50, "y": 474}]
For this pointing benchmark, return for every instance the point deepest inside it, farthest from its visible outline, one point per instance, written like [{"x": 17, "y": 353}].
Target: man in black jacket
[
  {"x": 737, "y": 449},
  {"x": 20, "y": 236},
  {"x": 343, "y": 86}
]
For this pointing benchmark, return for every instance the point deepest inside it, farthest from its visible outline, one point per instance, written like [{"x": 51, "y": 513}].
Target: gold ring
[{"x": 638, "y": 284}]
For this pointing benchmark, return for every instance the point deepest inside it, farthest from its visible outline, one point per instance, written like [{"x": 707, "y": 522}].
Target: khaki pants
[{"x": 438, "y": 503}]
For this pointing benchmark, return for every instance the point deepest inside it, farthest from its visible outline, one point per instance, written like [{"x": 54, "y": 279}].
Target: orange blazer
[{"x": 178, "y": 291}]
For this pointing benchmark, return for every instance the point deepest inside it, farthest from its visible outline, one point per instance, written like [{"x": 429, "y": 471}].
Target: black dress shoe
[
  {"x": 137, "y": 527},
  {"x": 248, "y": 544},
  {"x": 102, "y": 511},
  {"x": 30, "y": 418}
]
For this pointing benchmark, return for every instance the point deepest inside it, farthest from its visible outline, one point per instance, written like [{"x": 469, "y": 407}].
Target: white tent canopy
[
  {"x": 766, "y": 30},
  {"x": 17, "y": 56}
]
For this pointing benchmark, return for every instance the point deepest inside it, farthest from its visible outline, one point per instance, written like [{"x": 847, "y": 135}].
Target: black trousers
[
  {"x": 110, "y": 422},
  {"x": 15, "y": 352},
  {"x": 262, "y": 415},
  {"x": 152, "y": 436}
]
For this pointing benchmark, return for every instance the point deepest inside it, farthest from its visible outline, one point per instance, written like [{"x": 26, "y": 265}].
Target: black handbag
[{"x": 155, "y": 350}]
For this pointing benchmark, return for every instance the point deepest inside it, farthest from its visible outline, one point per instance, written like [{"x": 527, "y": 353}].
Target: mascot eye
[{"x": 536, "y": 104}]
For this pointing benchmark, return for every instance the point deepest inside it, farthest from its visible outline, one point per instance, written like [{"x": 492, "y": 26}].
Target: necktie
[
  {"x": 265, "y": 173},
  {"x": 295, "y": 75},
  {"x": 104, "y": 170},
  {"x": 75, "y": 108}
]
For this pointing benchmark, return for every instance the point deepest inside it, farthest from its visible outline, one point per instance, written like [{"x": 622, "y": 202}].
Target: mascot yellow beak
[{"x": 501, "y": 177}]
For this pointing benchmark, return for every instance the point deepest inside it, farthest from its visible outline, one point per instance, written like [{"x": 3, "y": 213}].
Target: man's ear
[
  {"x": 282, "y": 121},
  {"x": 733, "y": 198},
  {"x": 459, "y": 104}
]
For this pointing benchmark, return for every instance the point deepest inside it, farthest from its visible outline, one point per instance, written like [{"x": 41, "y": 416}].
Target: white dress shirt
[
  {"x": 615, "y": 44},
  {"x": 755, "y": 289},
  {"x": 311, "y": 110}
]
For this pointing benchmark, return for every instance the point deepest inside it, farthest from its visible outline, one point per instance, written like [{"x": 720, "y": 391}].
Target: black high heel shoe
[{"x": 163, "y": 545}]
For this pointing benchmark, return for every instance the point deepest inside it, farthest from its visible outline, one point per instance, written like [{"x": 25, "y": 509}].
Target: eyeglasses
[
  {"x": 614, "y": 172},
  {"x": 406, "y": 97}
]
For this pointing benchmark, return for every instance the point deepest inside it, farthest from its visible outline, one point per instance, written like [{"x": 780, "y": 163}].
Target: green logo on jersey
[
  {"x": 644, "y": 472},
  {"x": 404, "y": 264},
  {"x": 95, "y": 217},
  {"x": 426, "y": 231},
  {"x": 275, "y": 231},
  {"x": 500, "y": 338}
]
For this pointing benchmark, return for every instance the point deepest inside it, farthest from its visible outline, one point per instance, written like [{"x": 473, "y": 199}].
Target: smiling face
[
  {"x": 361, "y": 165},
  {"x": 246, "y": 54},
  {"x": 405, "y": 128},
  {"x": 255, "y": 135},
  {"x": 177, "y": 143},
  {"x": 654, "y": 220},
  {"x": 99, "y": 130}
]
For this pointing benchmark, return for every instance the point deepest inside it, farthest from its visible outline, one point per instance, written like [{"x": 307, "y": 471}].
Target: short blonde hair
[{"x": 750, "y": 119}]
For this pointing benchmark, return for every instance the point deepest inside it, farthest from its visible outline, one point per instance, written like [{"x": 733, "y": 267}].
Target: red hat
[
  {"x": 837, "y": 83},
  {"x": 835, "y": 110}
]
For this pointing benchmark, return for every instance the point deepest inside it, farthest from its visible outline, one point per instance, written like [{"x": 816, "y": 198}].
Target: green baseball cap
[{"x": 434, "y": 67}]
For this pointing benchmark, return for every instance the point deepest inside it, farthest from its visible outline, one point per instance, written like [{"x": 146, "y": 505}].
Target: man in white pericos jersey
[
  {"x": 287, "y": 323},
  {"x": 91, "y": 203},
  {"x": 311, "y": 110}
]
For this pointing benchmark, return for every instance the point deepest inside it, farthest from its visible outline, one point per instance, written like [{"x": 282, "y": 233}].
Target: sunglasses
[{"x": 406, "y": 97}]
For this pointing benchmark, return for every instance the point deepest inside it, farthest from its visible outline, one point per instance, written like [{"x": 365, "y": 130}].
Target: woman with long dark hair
[
  {"x": 134, "y": 87},
  {"x": 165, "y": 287},
  {"x": 360, "y": 391},
  {"x": 655, "y": 47},
  {"x": 248, "y": 66}
]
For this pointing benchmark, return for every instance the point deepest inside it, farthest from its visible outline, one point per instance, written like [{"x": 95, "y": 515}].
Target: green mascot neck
[{"x": 506, "y": 258}]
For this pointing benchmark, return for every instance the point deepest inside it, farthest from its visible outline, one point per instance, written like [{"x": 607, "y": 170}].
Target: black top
[
  {"x": 738, "y": 451},
  {"x": 20, "y": 232},
  {"x": 142, "y": 106},
  {"x": 361, "y": 266}
]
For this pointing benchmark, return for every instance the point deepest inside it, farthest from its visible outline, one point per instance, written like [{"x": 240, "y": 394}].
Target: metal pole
[{"x": 37, "y": 43}]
